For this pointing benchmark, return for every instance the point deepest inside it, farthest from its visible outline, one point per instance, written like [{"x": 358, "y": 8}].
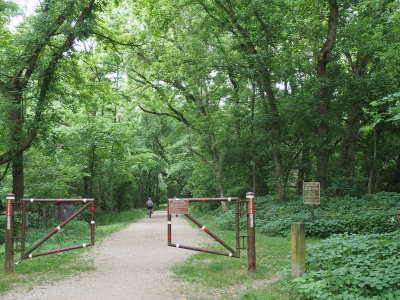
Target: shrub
[
  {"x": 368, "y": 214},
  {"x": 352, "y": 267}
]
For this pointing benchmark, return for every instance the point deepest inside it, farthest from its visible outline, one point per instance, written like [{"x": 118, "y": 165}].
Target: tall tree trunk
[
  {"x": 112, "y": 179},
  {"x": 349, "y": 141},
  {"x": 373, "y": 165},
  {"x": 17, "y": 156},
  {"x": 304, "y": 170},
  {"x": 325, "y": 96},
  {"x": 273, "y": 129},
  {"x": 253, "y": 148}
]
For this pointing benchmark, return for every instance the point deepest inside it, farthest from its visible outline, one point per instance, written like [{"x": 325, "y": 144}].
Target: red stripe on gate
[
  {"x": 56, "y": 229},
  {"x": 58, "y": 250},
  {"x": 169, "y": 236},
  {"x": 58, "y": 200},
  {"x": 204, "y": 200},
  {"x": 204, "y": 250},
  {"x": 92, "y": 207},
  {"x": 205, "y": 229}
]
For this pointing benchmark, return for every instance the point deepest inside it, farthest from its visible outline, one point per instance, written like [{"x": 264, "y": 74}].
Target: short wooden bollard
[{"x": 298, "y": 249}]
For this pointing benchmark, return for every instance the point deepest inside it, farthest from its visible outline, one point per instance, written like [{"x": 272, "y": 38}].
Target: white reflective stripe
[
  {"x": 169, "y": 222},
  {"x": 202, "y": 228},
  {"x": 30, "y": 255},
  {"x": 84, "y": 200},
  {"x": 177, "y": 246},
  {"x": 92, "y": 222},
  {"x": 8, "y": 222},
  {"x": 249, "y": 196},
  {"x": 59, "y": 228},
  {"x": 229, "y": 199},
  {"x": 10, "y": 198},
  {"x": 230, "y": 253},
  {"x": 84, "y": 245},
  {"x": 31, "y": 200}
]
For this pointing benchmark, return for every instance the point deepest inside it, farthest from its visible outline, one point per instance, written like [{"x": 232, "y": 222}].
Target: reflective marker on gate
[
  {"x": 84, "y": 245},
  {"x": 204, "y": 200},
  {"x": 169, "y": 236},
  {"x": 9, "y": 204},
  {"x": 92, "y": 222},
  {"x": 84, "y": 200},
  {"x": 229, "y": 199},
  {"x": 92, "y": 208},
  {"x": 169, "y": 222},
  {"x": 58, "y": 200},
  {"x": 204, "y": 250},
  {"x": 58, "y": 250},
  {"x": 204, "y": 228},
  {"x": 230, "y": 253},
  {"x": 31, "y": 200},
  {"x": 57, "y": 228},
  {"x": 177, "y": 245},
  {"x": 30, "y": 255}
]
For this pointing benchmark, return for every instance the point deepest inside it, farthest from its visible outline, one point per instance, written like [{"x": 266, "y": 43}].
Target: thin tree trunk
[
  {"x": 325, "y": 95},
  {"x": 253, "y": 151},
  {"x": 372, "y": 169},
  {"x": 112, "y": 179}
]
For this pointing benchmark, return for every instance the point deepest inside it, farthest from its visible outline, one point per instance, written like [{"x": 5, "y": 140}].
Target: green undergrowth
[
  {"x": 352, "y": 267},
  {"x": 369, "y": 214},
  {"x": 31, "y": 272},
  {"x": 228, "y": 278}
]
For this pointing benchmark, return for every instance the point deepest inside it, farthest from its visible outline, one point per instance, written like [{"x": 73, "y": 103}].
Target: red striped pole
[
  {"x": 251, "y": 241},
  {"x": 9, "y": 247}
]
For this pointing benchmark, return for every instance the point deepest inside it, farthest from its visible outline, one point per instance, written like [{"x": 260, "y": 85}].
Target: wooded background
[{"x": 128, "y": 99}]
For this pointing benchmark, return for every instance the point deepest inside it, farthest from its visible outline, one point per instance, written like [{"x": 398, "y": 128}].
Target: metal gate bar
[
  {"x": 27, "y": 254},
  {"x": 238, "y": 213},
  {"x": 208, "y": 231}
]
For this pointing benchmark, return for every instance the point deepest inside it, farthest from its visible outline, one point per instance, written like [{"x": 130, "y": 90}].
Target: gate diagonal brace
[
  {"x": 28, "y": 253},
  {"x": 232, "y": 251}
]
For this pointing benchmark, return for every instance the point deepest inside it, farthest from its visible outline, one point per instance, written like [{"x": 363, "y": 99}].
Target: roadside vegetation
[
  {"x": 31, "y": 272},
  {"x": 352, "y": 250}
]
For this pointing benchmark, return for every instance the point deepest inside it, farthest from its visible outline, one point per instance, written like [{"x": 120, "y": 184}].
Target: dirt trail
[{"x": 131, "y": 264}]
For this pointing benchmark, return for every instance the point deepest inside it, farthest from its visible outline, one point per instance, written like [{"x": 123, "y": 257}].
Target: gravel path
[{"x": 131, "y": 264}]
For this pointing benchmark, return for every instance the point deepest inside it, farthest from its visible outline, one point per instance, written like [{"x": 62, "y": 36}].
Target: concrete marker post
[
  {"x": 251, "y": 232},
  {"x": 298, "y": 249},
  {"x": 9, "y": 245}
]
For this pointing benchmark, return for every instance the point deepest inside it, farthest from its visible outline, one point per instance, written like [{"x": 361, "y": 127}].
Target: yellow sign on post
[{"x": 311, "y": 193}]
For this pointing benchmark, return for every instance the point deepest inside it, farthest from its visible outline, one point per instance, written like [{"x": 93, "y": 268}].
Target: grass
[
  {"x": 227, "y": 278},
  {"x": 57, "y": 266}
]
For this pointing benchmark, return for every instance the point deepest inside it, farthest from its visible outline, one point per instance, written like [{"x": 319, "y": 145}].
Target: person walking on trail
[{"x": 149, "y": 205}]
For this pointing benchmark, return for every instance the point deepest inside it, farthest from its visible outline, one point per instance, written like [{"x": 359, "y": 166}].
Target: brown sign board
[
  {"x": 178, "y": 207},
  {"x": 311, "y": 193}
]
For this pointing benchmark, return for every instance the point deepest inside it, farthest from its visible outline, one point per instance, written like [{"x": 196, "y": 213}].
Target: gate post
[
  {"x": 9, "y": 244},
  {"x": 251, "y": 233}
]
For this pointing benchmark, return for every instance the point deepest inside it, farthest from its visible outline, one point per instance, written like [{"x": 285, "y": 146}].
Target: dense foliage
[
  {"x": 128, "y": 99},
  {"x": 353, "y": 267},
  {"x": 369, "y": 214}
]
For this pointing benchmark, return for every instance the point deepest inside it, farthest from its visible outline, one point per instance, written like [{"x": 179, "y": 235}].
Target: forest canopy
[{"x": 122, "y": 100}]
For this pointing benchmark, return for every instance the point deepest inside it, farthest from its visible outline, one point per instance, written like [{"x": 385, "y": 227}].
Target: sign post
[
  {"x": 311, "y": 195},
  {"x": 251, "y": 242},
  {"x": 8, "y": 255}
]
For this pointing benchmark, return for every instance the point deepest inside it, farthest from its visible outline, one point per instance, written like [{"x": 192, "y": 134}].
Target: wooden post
[
  {"x": 312, "y": 212},
  {"x": 298, "y": 249},
  {"x": 251, "y": 233},
  {"x": 9, "y": 245}
]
